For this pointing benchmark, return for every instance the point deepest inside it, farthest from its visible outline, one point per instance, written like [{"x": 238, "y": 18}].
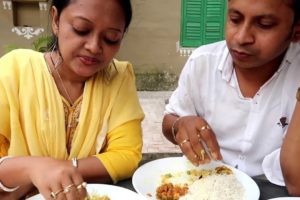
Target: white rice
[{"x": 216, "y": 187}]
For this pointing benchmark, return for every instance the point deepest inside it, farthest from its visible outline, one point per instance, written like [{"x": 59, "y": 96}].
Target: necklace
[{"x": 60, "y": 79}]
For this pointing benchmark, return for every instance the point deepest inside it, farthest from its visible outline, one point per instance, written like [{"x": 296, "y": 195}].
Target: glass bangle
[{"x": 173, "y": 128}]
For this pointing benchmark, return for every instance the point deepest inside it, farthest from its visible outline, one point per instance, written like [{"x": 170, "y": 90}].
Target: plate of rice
[
  {"x": 175, "y": 178},
  {"x": 104, "y": 192}
]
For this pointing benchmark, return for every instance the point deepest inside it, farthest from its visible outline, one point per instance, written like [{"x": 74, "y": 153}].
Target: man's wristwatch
[{"x": 298, "y": 94}]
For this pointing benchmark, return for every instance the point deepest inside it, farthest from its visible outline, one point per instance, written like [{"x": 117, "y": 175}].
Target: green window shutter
[
  {"x": 191, "y": 14},
  {"x": 202, "y": 22},
  {"x": 214, "y": 21}
]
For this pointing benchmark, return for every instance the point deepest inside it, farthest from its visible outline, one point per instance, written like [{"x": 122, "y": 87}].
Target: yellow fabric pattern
[
  {"x": 72, "y": 113},
  {"x": 32, "y": 114}
]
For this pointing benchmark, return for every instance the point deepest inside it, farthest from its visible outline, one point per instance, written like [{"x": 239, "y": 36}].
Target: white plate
[
  {"x": 112, "y": 191},
  {"x": 146, "y": 178}
]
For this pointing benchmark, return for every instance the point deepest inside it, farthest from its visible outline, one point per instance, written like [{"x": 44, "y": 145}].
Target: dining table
[{"x": 267, "y": 189}]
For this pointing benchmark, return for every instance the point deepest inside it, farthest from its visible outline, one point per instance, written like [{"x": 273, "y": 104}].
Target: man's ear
[
  {"x": 296, "y": 35},
  {"x": 55, "y": 20}
]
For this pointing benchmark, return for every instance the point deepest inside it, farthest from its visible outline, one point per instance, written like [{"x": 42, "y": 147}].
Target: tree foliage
[{"x": 40, "y": 44}]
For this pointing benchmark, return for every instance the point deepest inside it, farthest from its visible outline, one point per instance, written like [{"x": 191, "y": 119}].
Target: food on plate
[
  {"x": 216, "y": 187},
  {"x": 169, "y": 191},
  {"x": 97, "y": 197},
  {"x": 205, "y": 184}
]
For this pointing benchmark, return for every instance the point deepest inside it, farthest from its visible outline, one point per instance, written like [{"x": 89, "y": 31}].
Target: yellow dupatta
[{"x": 33, "y": 116}]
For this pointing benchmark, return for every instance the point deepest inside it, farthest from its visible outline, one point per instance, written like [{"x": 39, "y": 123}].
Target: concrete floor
[{"x": 153, "y": 104}]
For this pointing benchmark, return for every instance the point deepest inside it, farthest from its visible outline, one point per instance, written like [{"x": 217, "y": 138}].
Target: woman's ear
[
  {"x": 55, "y": 20},
  {"x": 296, "y": 36}
]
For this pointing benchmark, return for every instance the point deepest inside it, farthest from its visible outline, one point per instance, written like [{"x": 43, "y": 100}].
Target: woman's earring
[
  {"x": 53, "y": 44},
  {"x": 60, "y": 59}
]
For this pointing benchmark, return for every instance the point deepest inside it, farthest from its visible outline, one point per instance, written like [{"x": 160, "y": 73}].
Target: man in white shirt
[{"x": 235, "y": 98}]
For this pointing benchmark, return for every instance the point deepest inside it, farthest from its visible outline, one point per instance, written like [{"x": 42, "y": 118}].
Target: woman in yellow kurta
[
  {"x": 290, "y": 151},
  {"x": 70, "y": 115}
]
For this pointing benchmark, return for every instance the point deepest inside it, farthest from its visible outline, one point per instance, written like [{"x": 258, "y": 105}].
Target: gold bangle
[{"x": 298, "y": 94}]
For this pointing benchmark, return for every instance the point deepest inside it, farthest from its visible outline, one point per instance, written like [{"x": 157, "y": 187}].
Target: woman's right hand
[
  {"x": 192, "y": 135},
  {"x": 57, "y": 177}
]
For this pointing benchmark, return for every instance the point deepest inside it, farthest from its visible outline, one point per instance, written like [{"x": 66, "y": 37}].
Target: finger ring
[
  {"x": 67, "y": 188},
  {"x": 205, "y": 127},
  {"x": 202, "y": 152},
  {"x": 82, "y": 185},
  {"x": 53, "y": 195},
  {"x": 184, "y": 141}
]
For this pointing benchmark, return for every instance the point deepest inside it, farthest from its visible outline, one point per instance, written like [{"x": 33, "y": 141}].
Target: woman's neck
[{"x": 69, "y": 85}]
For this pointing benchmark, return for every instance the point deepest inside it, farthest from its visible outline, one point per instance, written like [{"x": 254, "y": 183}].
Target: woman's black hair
[
  {"x": 125, "y": 4},
  {"x": 60, "y": 5},
  {"x": 296, "y": 10}
]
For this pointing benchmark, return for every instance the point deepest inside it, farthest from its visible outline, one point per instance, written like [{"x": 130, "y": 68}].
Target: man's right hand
[{"x": 196, "y": 139}]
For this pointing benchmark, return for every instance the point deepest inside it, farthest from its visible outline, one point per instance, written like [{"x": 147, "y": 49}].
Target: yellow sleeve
[
  {"x": 123, "y": 150},
  {"x": 126, "y": 105}
]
